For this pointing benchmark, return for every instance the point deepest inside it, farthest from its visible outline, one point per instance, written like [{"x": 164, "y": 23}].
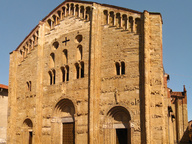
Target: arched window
[
  {"x": 65, "y": 56},
  {"x": 138, "y": 25},
  {"x": 77, "y": 70},
  {"x": 82, "y": 69},
  {"x": 54, "y": 76},
  {"x": 111, "y": 18},
  {"x": 28, "y": 86},
  {"x": 67, "y": 76},
  {"x": 124, "y": 22},
  {"x": 82, "y": 12},
  {"x": 79, "y": 52},
  {"x": 64, "y": 12},
  {"x": 60, "y": 16},
  {"x": 117, "y": 68},
  {"x": 52, "y": 60},
  {"x": 105, "y": 18},
  {"x": 55, "y": 20},
  {"x": 118, "y": 20},
  {"x": 63, "y": 74},
  {"x": 72, "y": 10},
  {"x": 122, "y": 68},
  {"x": 76, "y": 10},
  {"x": 131, "y": 24},
  {"x": 88, "y": 14},
  {"x": 68, "y": 10},
  {"x": 49, "y": 23},
  {"x": 50, "y": 77}
]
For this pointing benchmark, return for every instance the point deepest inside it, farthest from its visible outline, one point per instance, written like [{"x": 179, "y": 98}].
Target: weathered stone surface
[
  {"x": 93, "y": 68},
  {"x": 3, "y": 112}
]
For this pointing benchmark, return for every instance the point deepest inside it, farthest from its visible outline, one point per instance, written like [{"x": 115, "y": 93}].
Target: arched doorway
[
  {"x": 27, "y": 131},
  {"x": 63, "y": 123},
  {"x": 117, "y": 126}
]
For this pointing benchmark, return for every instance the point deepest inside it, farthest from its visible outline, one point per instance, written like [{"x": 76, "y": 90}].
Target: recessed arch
[
  {"x": 124, "y": 21},
  {"x": 117, "y": 126},
  {"x": 111, "y": 18},
  {"x": 63, "y": 123},
  {"x": 88, "y": 13},
  {"x": 118, "y": 20},
  {"x": 76, "y": 10},
  {"x": 105, "y": 18},
  {"x": 82, "y": 15},
  {"x": 27, "y": 131},
  {"x": 138, "y": 25},
  {"x": 131, "y": 24}
]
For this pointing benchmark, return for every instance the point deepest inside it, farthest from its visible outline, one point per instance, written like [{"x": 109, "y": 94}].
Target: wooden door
[
  {"x": 68, "y": 133},
  {"x": 30, "y": 137},
  {"x": 121, "y": 136}
]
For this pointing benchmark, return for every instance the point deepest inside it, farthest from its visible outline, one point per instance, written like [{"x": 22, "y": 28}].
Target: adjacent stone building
[
  {"x": 190, "y": 131},
  {"x": 93, "y": 73},
  {"x": 3, "y": 112}
]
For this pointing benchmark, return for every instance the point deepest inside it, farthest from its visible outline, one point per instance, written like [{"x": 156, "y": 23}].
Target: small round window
[
  {"x": 79, "y": 38},
  {"x": 55, "y": 45}
]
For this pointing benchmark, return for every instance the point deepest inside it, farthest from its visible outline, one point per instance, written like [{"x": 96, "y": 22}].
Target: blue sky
[{"x": 19, "y": 17}]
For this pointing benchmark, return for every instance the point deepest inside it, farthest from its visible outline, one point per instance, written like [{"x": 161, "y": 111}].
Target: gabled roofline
[
  {"x": 76, "y": 1},
  {"x": 88, "y": 2},
  {"x": 26, "y": 38}
]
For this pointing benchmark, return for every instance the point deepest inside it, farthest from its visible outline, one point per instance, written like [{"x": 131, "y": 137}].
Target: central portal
[
  {"x": 63, "y": 124},
  {"x": 68, "y": 133},
  {"x": 121, "y": 136}
]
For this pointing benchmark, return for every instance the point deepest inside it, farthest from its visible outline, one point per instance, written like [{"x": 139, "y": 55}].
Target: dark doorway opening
[
  {"x": 68, "y": 133},
  {"x": 30, "y": 137},
  {"x": 121, "y": 136}
]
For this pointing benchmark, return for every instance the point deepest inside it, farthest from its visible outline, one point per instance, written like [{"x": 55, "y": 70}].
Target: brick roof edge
[{"x": 3, "y": 86}]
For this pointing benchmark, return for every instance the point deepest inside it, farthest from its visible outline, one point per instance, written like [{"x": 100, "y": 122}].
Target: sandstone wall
[{"x": 3, "y": 115}]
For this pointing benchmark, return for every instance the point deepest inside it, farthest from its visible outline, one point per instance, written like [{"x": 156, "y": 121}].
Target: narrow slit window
[
  {"x": 117, "y": 68},
  {"x": 54, "y": 76},
  {"x": 50, "y": 78},
  {"x": 77, "y": 70},
  {"x": 67, "y": 69},
  {"x": 82, "y": 69},
  {"x": 65, "y": 56},
  {"x": 52, "y": 60},
  {"x": 63, "y": 74},
  {"x": 122, "y": 68}
]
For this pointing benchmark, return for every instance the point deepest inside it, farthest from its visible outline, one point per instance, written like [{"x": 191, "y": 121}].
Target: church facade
[{"x": 92, "y": 73}]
